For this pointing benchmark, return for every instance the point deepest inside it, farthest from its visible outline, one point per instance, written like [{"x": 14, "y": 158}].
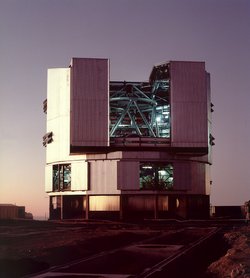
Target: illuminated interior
[
  {"x": 61, "y": 177},
  {"x": 141, "y": 109},
  {"x": 156, "y": 176}
]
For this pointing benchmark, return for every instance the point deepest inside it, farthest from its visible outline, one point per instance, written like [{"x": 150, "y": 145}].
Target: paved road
[{"x": 140, "y": 259}]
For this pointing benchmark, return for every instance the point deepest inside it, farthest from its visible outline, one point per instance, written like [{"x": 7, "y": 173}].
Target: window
[
  {"x": 61, "y": 177},
  {"x": 156, "y": 176}
]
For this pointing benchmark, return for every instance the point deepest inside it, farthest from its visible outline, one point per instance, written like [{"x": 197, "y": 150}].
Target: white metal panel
[
  {"x": 58, "y": 108},
  {"x": 103, "y": 177},
  {"x": 208, "y": 179},
  {"x": 128, "y": 175},
  {"x": 58, "y": 115},
  {"x": 48, "y": 178},
  {"x": 58, "y": 92},
  {"x": 79, "y": 176},
  {"x": 90, "y": 102}
]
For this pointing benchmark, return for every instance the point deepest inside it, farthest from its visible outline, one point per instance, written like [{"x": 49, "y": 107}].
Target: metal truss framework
[
  {"x": 141, "y": 109},
  {"x": 156, "y": 176}
]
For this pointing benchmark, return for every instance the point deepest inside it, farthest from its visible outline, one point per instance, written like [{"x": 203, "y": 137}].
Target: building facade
[
  {"x": 128, "y": 149},
  {"x": 9, "y": 211}
]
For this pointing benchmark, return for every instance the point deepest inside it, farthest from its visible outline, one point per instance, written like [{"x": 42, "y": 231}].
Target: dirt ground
[
  {"x": 28, "y": 247},
  {"x": 34, "y": 246},
  {"x": 236, "y": 262}
]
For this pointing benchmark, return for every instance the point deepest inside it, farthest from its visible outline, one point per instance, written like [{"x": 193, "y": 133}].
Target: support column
[
  {"x": 87, "y": 207},
  {"x": 61, "y": 207},
  {"x": 121, "y": 207},
  {"x": 156, "y": 207}
]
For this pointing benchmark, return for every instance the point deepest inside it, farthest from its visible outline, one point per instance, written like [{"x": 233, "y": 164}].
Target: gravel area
[{"x": 236, "y": 262}]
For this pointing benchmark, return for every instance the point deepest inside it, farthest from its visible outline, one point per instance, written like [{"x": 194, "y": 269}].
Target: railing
[{"x": 140, "y": 141}]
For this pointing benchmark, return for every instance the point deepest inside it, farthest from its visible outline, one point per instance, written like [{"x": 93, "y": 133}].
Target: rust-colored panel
[
  {"x": 89, "y": 123},
  {"x": 128, "y": 175},
  {"x": 189, "y": 115}
]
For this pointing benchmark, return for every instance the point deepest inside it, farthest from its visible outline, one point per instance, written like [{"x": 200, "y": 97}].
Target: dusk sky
[{"x": 134, "y": 34}]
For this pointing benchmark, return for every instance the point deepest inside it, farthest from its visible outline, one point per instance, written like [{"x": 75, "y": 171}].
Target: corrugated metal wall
[
  {"x": 8, "y": 212},
  {"x": 103, "y": 177},
  {"x": 190, "y": 176},
  {"x": 58, "y": 116},
  {"x": 209, "y": 108},
  {"x": 48, "y": 178},
  {"x": 208, "y": 178},
  {"x": 198, "y": 178},
  {"x": 58, "y": 99},
  {"x": 140, "y": 203},
  {"x": 189, "y": 127},
  {"x": 89, "y": 119},
  {"x": 79, "y": 176},
  {"x": 128, "y": 175},
  {"x": 182, "y": 176}
]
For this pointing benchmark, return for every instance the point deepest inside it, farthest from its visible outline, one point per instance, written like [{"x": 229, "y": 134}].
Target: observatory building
[{"x": 124, "y": 149}]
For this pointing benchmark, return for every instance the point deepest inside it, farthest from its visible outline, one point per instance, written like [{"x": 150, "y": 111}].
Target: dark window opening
[
  {"x": 156, "y": 176},
  {"x": 61, "y": 177}
]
